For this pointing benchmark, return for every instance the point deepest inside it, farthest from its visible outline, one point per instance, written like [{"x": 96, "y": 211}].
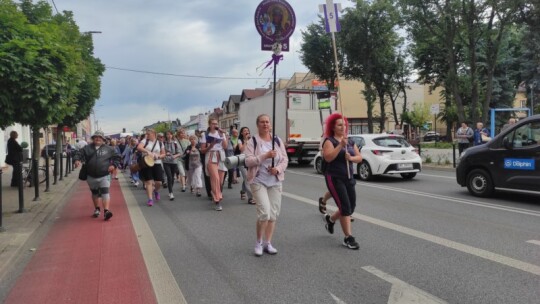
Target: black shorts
[{"x": 152, "y": 173}]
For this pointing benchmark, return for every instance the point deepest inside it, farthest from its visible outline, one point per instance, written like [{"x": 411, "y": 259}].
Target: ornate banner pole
[{"x": 275, "y": 21}]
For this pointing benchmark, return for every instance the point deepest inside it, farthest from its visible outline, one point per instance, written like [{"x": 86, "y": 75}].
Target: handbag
[{"x": 83, "y": 173}]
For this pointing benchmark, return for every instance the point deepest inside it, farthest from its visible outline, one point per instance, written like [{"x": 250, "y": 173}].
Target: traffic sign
[{"x": 435, "y": 109}]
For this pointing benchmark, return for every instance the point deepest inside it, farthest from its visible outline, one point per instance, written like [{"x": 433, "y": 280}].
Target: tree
[
  {"x": 317, "y": 54},
  {"x": 370, "y": 47}
]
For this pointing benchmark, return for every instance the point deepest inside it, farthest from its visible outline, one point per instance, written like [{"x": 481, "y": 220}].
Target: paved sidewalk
[{"x": 87, "y": 260}]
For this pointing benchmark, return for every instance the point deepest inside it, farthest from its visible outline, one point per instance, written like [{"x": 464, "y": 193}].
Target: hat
[{"x": 99, "y": 133}]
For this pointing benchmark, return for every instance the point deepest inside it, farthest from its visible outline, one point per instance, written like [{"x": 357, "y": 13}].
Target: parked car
[
  {"x": 51, "y": 150},
  {"x": 509, "y": 162},
  {"x": 432, "y": 136},
  {"x": 382, "y": 154}
]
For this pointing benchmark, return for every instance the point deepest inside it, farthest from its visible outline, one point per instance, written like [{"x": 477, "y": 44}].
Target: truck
[{"x": 298, "y": 120}]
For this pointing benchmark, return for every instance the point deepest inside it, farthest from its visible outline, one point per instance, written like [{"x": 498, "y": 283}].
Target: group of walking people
[{"x": 198, "y": 161}]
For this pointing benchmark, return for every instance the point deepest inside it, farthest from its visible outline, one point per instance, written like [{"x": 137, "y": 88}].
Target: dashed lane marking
[
  {"x": 491, "y": 256},
  {"x": 437, "y": 196}
]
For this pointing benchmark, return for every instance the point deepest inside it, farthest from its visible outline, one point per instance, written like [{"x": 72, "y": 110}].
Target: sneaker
[
  {"x": 329, "y": 225},
  {"x": 218, "y": 207},
  {"x": 198, "y": 194},
  {"x": 156, "y": 194},
  {"x": 108, "y": 215},
  {"x": 268, "y": 248},
  {"x": 150, "y": 203},
  {"x": 351, "y": 243},
  {"x": 258, "y": 249},
  {"x": 251, "y": 201},
  {"x": 184, "y": 189},
  {"x": 171, "y": 196},
  {"x": 136, "y": 184},
  {"x": 96, "y": 213}
]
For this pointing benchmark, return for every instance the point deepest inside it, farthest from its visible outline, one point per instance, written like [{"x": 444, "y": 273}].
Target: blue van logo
[{"x": 519, "y": 164}]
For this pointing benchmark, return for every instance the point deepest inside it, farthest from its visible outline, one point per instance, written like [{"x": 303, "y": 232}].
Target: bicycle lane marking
[
  {"x": 165, "y": 286},
  {"x": 488, "y": 255}
]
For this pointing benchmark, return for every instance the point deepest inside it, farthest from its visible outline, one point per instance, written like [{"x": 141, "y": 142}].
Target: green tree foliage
[
  {"x": 370, "y": 48},
  {"x": 317, "y": 54}
]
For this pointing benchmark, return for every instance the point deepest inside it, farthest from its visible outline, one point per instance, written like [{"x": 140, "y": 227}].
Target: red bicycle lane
[{"x": 87, "y": 260}]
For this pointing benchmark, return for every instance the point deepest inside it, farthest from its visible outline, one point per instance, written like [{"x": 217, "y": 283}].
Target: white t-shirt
[
  {"x": 263, "y": 175},
  {"x": 217, "y": 146},
  {"x": 156, "y": 150}
]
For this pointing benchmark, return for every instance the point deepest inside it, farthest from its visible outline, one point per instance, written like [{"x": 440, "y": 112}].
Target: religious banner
[{"x": 275, "y": 21}]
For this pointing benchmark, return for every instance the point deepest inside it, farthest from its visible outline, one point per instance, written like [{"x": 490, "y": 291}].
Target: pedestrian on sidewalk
[
  {"x": 100, "y": 160},
  {"x": 340, "y": 153},
  {"x": 465, "y": 136},
  {"x": 14, "y": 157},
  {"x": 265, "y": 180}
]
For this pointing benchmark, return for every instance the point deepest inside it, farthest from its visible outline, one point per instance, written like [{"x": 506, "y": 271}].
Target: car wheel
[
  {"x": 408, "y": 176},
  {"x": 479, "y": 183},
  {"x": 318, "y": 165},
  {"x": 364, "y": 171}
]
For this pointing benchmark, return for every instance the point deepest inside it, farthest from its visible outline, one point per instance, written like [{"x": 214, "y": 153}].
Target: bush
[{"x": 437, "y": 145}]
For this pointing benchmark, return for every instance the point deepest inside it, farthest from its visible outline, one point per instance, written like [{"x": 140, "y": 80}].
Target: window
[
  {"x": 525, "y": 136},
  {"x": 391, "y": 142},
  {"x": 523, "y": 103}
]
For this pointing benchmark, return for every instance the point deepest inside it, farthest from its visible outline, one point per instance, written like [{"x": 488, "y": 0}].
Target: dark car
[
  {"x": 432, "y": 136},
  {"x": 51, "y": 150},
  {"x": 510, "y": 161}
]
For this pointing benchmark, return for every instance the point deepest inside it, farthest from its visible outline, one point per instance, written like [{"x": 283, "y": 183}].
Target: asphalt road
[{"x": 421, "y": 241}]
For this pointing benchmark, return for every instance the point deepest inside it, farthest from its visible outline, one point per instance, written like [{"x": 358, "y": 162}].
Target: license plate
[
  {"x": 405, "y": 166},
  {"x": 313, "y": 152}
]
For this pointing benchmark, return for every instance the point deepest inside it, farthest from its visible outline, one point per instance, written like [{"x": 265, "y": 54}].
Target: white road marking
[
  {"x": 534, "y": 242},
  {"x": 403, "y": 293},
  {"x": 494, "y": 257},
  {"x": 338, "y": 300},
  {"x": 436, "y": 196},
  {"x": 441, "y": 176},
  {"x": 163, "y": 281}
]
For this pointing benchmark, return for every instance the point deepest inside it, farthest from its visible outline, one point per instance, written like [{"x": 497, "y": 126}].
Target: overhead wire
[
  {"x": 54, "y": 4},
  {"x": 185, "y": 75}
]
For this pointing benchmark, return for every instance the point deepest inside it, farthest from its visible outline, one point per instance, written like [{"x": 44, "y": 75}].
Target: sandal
[
  {"x": 251, "y": 202},
  {"x": 242, "y": 195},
  {"x": 322, "y": 206}
]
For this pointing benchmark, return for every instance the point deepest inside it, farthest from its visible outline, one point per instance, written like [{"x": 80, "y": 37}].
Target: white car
[{"x": 382, "y": 154}]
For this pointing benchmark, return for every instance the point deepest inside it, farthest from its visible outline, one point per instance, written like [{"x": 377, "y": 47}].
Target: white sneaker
[
  {"x": 136, "y": 184},
  {"x": 171, "y": 196},
  {"x": 268, "y": 248},
  {"x": 258, "y": 249}
]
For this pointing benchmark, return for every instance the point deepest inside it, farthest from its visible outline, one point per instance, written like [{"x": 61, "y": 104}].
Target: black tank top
[{"x": 338, "y": 167}]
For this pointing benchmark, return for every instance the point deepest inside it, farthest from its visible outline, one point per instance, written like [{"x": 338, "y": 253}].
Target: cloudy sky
[{"x": 184, "y": 37}]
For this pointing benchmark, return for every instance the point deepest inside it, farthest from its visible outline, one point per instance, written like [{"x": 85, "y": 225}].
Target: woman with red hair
[{"x": 340, "y": 154}]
